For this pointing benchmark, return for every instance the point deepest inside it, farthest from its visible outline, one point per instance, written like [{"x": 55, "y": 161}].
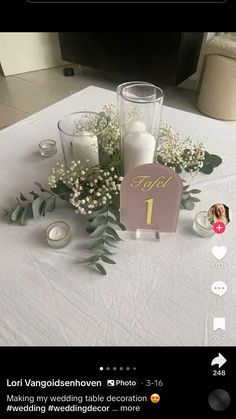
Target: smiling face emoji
[{"x": 155, "y": 398}]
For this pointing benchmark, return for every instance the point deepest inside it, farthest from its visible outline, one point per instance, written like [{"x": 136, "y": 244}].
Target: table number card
[{"x": 150, "y": 198}]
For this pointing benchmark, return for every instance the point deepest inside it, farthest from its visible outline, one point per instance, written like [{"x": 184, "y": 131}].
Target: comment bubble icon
[{"x": 219, "y": 288}]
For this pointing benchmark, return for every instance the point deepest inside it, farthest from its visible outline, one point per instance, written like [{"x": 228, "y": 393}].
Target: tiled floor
[{"x": 23, "y": 94}]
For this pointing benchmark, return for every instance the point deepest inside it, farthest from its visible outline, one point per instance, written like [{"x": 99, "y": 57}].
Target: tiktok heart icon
[{"x": 219, "y": 252}]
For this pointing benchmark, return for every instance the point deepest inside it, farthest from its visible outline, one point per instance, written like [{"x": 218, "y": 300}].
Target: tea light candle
[
  {"x": 85, "y": 147},
  {"x": 58, "y": 234},
  {"x": 139, "y": 149},
  {"x": 201, "y": 225},
  {"x": 48, "y": 148}
]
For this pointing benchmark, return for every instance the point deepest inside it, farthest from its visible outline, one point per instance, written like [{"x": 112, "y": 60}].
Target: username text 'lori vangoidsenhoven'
[{"x": 53, "y": 383}]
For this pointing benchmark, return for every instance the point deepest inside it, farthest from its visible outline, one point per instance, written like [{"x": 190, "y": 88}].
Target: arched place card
[{"x": 150, "y": 198}]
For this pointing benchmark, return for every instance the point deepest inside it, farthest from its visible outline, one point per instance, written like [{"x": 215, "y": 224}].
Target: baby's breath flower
[
  {"x": 96, "y": 187},
  {"x": 177, "y": 153}
]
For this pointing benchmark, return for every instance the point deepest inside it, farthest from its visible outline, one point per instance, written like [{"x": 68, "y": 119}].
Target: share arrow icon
[{"x": 219, "y": 360}]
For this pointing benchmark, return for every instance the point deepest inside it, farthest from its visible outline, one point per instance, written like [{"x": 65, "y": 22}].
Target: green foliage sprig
[
  {"x": 188, "y": 201},
  {"x": 33, "y": 208},
  {"x": 210, "y": 162},
  {"x": 103, "y": 235}
]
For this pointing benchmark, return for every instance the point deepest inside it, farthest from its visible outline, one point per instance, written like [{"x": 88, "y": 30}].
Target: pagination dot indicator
[{"x": 101, "y": 368}]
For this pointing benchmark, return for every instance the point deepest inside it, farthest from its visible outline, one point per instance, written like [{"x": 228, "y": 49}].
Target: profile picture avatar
[{"x": 218, "y": 212}]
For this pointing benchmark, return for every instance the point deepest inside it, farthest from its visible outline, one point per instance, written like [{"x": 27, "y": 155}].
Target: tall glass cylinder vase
[
  {"x": 80, "y": 134},
  {"x": 119, "y": 90},
  {"x": 140, "y": 116}
]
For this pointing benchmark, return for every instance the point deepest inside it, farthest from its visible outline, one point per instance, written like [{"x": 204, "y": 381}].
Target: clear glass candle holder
[
  {"x": 58, "y": 234},
  {"x": 201, "y": 225},
  {"x": 140, "y": 116},
  {"x": 48, "y": 148},
  {"x": 118, "y": 94},
  {"x": 80, "y": 134}
]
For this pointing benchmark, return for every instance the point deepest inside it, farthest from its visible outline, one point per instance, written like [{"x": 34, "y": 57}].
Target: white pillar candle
[
  {"x": 139, "y": 149},
  {"x": 135, "y": 126},
  {"x": 85, "y": 147}
]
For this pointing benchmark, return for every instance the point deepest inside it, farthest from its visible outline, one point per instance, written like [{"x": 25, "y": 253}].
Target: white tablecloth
[{"x": 158, "y": 293}]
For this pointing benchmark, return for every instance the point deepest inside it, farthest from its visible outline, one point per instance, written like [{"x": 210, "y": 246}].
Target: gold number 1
[{"x": 149, "y": 210}]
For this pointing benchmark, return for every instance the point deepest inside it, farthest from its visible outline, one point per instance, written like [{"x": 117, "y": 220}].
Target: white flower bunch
[
  {"x": 110, "y": 137},
  {"x": 177, "y": 153},
  {"x": 89, "y": 189}
]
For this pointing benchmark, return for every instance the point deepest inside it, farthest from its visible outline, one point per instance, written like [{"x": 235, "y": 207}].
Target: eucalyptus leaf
[
  {"x": 122, "y": 226},
  {"x": 110, "y": 241},
  {"x": 107, "y": 260},
  {"x": 207, "y": 168},
  {"x": 99, "y": 220},
  {"x": 23, "y": 198},
  {"x": 113, "y": 233},
  {"x": 98, "y": 231},
  {"x": 91, "y": 259},
  {"x": 38, "y": 185},
  {"x": 62, "y": 191},
  {"x": 215, "y": 160},
  {"x": 188, "y": 204},
  {"x": 194, "y": 191},
  {"x": 16, "y": 213},
  {"x": 26, "y": 215},
  {"x": 34, "y": 194},
  {"x": 101, "y": 268},
  {"x": 96, "y": 244},
  {"x": 159, "y": 159},
  {"x": 37, "y": 207},
  {"x": 95, "y": 214},
  {"x": 43, "y": 209},
  {"x": 195, "y": 199},
  {"x": 90, "y": 229},
  {"x": 114, "y": 210},
  {"x": 50, "y": 204},
  {"x": 117, "y": 223},
  {"x": 41, "y": 188},
  {"x": 106, "y": 251}
]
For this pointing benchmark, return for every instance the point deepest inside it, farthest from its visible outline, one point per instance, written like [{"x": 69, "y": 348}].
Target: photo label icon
[
  {"x": 219, "y": 288},
  {"x": 110, "y": 383},
  {"x": 219, "y": 252}
]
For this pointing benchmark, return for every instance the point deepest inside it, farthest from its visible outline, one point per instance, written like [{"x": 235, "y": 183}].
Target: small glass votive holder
[
  {"x": 58, "y": 234},
  {"x": 81, "y": 137},
  {"x": 201, "y": 225},
  {"x": 48, "y": 148}
]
